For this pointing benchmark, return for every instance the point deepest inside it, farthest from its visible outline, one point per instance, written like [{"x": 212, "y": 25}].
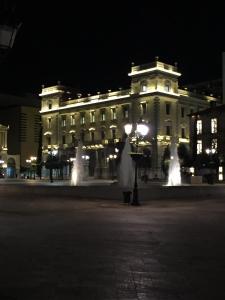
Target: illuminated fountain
[
  {"x": 78, "y": 168},
  {"x": 126, "y": 169},
  {"x": 174, "y": 177}
]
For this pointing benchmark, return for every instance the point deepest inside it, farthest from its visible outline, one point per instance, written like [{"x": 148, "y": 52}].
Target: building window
[
  {"x": 113, "y": 133},
  {"x": 183, "y": 133},
  {"x": 92, "y": 116},
  {"x": 143, "y": 108},
  {"x": 191, "y": 111},
  {"x": 125, "y": 112},
  {"x": 214, "y": 144},
  {"x": 214, "y": 125},
  {"x": 182, "y": 112},
  {"x": 102, "y": 115},
  {"x": 168, "y": 108},
  {"x": 63, "y": 139},
  {"x": 168, "y": 130},
  {"x": 82, "y": 135},
  {"x": 48, "y": 137},
  {"x": 167, "y": 86},
  {"x": 49, "y": 123},
  {"x": 73, "y": 138},
  {"x": 72, "y": 120},
  {"x": 199, "y": 146},
  {"x": 63, "y": 121},
  {"x": 199, "y": 127},
  {"x": 82, "y": 118},
  {"x": 113, "y": 113},
  {"x": 49, "y": 105},
  {"x": 92, "y": 136},
  {"x": 143, "y": 86},
  {"x": 102, "y": 134}
]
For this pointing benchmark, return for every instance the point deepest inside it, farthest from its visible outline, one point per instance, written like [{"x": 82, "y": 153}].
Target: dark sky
[{"x": 91, "y": 45}]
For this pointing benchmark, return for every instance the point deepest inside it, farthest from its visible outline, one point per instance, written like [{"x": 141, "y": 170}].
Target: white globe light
[
  {"x": 207, "y": 151},
  {"x": 54, "y": 152},
  {"x": 142, "y": 129}
]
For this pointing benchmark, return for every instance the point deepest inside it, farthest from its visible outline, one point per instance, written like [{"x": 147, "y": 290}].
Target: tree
[
  {"x": 51, "y": 164},
  {"x": 184, "y": 155}
]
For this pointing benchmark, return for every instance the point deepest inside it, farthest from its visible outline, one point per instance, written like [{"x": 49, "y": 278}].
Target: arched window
[
  {"x": 167, "y": 86},
  {"x": 144, "y": 86},
  {"x": 48, "y": 139},
  {"x": 50, "y": 104}
]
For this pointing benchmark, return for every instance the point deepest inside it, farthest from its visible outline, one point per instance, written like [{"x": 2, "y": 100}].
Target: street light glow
[
  {"x": 142, "y": 129},
  {"x": 128, "y": 128}
]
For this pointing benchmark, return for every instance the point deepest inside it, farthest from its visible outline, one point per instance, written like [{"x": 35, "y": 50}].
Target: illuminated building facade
[
  {"x": 3, "y": 150},
  {"x": 20, "y": 114},
  {"x": 207, "y": 129},
  {"x": 98, "y": 120}
]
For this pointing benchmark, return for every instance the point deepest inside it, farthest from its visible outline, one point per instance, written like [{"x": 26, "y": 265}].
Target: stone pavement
[{"x": 64, "y": 249}]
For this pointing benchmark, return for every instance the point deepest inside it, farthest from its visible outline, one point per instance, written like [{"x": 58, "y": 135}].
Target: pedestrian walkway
[{"x": 58, "y": 249}]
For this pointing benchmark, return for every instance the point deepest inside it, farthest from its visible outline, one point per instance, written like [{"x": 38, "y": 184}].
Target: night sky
[{"x": 90, "y": 46}]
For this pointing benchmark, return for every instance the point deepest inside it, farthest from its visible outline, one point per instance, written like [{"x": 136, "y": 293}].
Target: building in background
[
  {"x": 98, "y": 120},
  {"x": 207, "y": 141},
  {"x": 3, "y": 150},
  {"x": 210, "y": 87},
  {"x": 21, "y": 115}
]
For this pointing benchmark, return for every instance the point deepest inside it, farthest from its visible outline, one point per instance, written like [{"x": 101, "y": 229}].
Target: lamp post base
[{"x": 135, "y": 200}]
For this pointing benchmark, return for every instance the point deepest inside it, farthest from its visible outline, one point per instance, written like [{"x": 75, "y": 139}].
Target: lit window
[
  {"x": 220, "y": 173},
  {"x": 125, "y": 112},
  {"x": 103, "y": 115},
  {"x": 72, "y": 120},
  {"x": 113, "y": 111},
  {"x": 63, "y": 121},
  {"x": 82, "y": 118},
  {"x": 214, "y": 144},
  {"x": 199, "y": 146},
  {"x": 167, "y": 86},
  {"x": 92, "y": 116},
  {"x": 144, "y": 86},
  {"x": 214, "y": 125},
  {"x": 199, "y": 126}
]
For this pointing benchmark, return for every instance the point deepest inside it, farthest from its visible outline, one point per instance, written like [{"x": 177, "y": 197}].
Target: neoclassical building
[{"x": 98, "y": 120}]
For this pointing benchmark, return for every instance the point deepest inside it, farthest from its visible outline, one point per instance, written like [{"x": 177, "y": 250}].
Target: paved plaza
[{"x": 63, "y": 248}]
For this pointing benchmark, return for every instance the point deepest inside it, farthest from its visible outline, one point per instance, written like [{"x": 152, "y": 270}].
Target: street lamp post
[
  {"x": 210, "y": 152},
  {"x": 140, "y": 131},
  {"x": 8, "y": 31}
]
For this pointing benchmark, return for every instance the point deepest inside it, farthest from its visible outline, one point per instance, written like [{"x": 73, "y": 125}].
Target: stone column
[{"x": 156, "y": 169}]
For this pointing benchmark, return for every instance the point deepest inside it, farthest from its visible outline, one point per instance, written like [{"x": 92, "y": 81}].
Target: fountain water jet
[
  {"x": 78, "y": 168},
  {"x": 174, "y": 177},
  {"x": 126, "y": 168}
]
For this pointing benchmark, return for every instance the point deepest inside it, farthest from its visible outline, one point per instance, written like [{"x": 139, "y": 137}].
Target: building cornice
[{"x": 83, "y": 104}]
